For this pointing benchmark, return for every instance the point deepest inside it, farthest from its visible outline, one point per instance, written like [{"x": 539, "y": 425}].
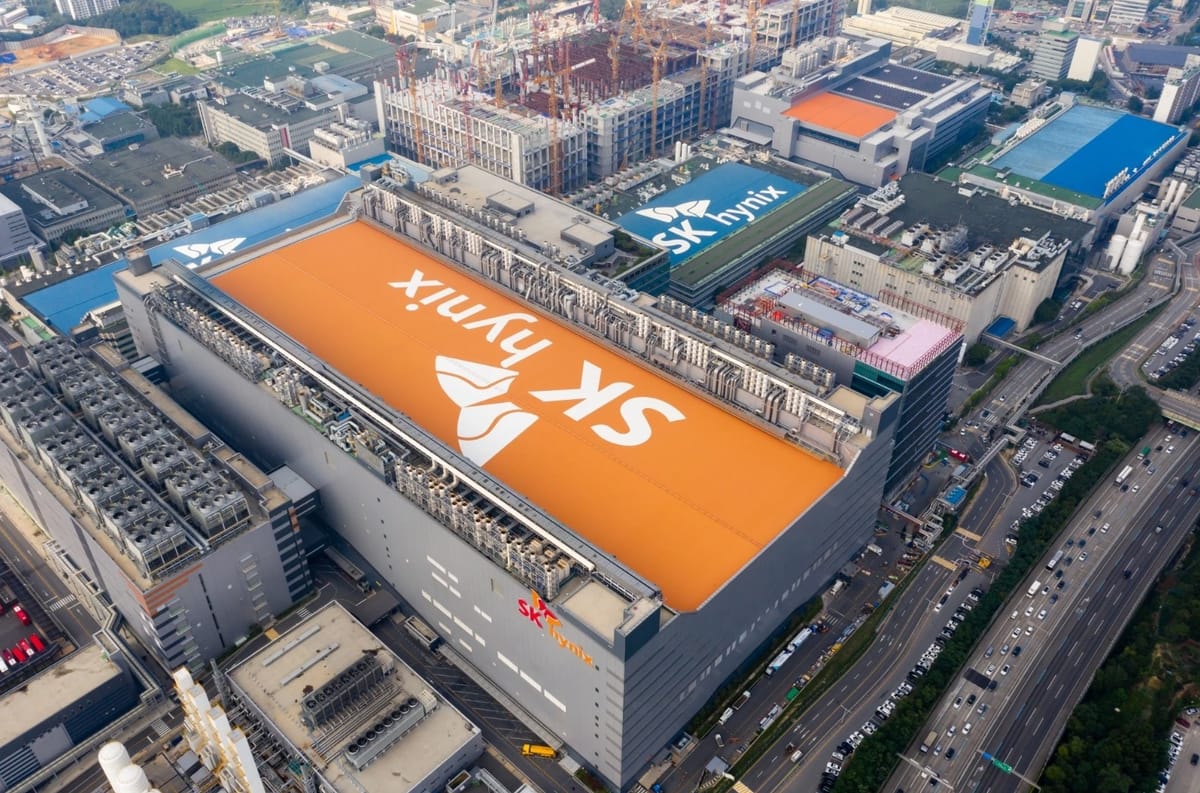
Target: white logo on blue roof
[
  {"x": 691, "y": 209},
  {"x": 207, "y": 251},
  {"x": 696, "y": 223}
]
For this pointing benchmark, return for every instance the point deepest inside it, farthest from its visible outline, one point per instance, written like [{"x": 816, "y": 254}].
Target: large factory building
[{"x": 599, "y": 508}]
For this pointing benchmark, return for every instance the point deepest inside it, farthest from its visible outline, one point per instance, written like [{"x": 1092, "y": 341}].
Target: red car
[
  {"x": 27, "y": 647},
  {"x": 37, "y": 643},
  {"x": 22, "y": 616},
  {"x": 8, "y": 657},
  {"x": 18, "y": 653}
]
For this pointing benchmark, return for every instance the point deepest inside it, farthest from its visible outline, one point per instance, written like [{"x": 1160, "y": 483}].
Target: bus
[
  {"x": 1125, "y": 472},
  {"x": 1033, "y": 589},
  {"x": 1054, "y": 560},
  {"x": 800, "y": 638}
]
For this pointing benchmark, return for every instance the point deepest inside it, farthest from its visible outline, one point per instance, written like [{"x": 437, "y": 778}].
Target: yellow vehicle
[{"x": 538, "y": 750}]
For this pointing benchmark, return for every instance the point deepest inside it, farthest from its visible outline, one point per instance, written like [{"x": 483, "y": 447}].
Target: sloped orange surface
[
  {"x": 678, "y": 489},
  {"x": 852, "y": 117}
]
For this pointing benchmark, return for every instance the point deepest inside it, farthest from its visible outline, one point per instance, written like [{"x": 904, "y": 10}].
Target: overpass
[
  {"x": 1017, "y": 348},
  {"x": 1182, "y": 407}
]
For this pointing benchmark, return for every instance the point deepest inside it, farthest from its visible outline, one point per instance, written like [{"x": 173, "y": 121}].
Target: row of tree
[
  {"x": 875, "y": 759},
  {"x": 1116, "y": 740}
]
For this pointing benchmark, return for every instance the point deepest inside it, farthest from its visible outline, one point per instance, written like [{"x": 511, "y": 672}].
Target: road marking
[
  {"x": 946, "y": 563},
  {"x": 970, "y": 535},
  {"x": 159, "y": 727},
  {"x": 62, "y": 602}
]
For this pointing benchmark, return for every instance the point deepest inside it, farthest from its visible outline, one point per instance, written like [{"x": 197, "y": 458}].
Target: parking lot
[
  {"x": 83, "y": 75},
  {"x": 1182, "y": 774},
  {"x": 1173, "y": 351}
]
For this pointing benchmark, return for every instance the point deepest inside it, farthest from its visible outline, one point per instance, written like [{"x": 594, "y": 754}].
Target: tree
[
  {"x": 1135, "y": 104},
  {"x": 138, "y": 17},
  {"x": 1046, "y": 311},
  {"x": 179, "y": 121},
  {"x": 977, "y": 354}
]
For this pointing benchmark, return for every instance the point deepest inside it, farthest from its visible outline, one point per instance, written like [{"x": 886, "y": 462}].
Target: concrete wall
[{"x": 638, "y": 690}]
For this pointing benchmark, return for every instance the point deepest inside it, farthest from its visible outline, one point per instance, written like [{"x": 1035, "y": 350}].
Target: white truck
[{"x": 1033, "y": 589}]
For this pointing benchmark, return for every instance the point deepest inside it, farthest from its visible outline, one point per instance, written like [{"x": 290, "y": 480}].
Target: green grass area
[
  {"x": 208, "y": 11},
  {"x": 178, "y": 66},
  {"x": 1073, "y": 379}
]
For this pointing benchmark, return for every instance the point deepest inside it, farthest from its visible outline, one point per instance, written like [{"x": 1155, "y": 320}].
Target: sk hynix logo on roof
[
  {"x": 207, "y": 251},
  {"x": 679, "y": 239},
  {"x": 488, "y": 422}
]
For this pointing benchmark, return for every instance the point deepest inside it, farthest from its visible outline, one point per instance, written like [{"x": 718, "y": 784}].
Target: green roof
[
  {"x": 1041, "y": 188},
  {"x": 1193, "y": 200},
  {"x": 795, "y": 212}
]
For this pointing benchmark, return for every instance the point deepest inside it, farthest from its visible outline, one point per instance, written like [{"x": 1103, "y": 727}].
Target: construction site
[{"x": 565, "y": 98}]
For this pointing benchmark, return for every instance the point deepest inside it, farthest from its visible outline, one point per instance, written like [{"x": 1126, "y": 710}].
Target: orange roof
[
  {"x": 852, "y": 117},
  {"x": 678, "y": 489}
]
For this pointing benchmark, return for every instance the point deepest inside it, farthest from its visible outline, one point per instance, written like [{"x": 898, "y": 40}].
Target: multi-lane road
[{"x": 1027, "y": 710}]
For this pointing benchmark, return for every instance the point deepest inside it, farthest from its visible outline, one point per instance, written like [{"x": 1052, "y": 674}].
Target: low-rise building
[
  {"x": 309, "y": 688},
  {"x": 344, "y": 143},
  {"x": 962, "y": 256},
  {"x": 1030, "y": 93},
  {"x": 842, "y": 104},
  {"x": 160, "y": 174},
  {"x": 59, "y": 201},
  {"x": 263, "y": 125},
  {"x": 118, "y": 130},
  {"x": 63, "y": 706}
]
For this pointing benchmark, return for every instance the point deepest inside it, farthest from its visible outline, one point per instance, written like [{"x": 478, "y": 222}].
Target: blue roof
[
  {"x": 1001, "y": 327},
  {"x": 688, "y": 219},
  {"x": 106, "y": 105},
  {"x": 63, "y": 305},
  {"x": 954, "y": 496}
]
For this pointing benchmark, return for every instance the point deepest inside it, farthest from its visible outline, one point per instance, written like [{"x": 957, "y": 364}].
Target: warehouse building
[
  {"x": 193, "y": 544},
  {"x": 58, "y": 201},
  {"x": 423, "y": 388},
  {"x": 1080, "y": 161},
  {"x": 718, "y": 220},
  {"x": 841, "y": 104},
  {"x": 835, "y": 334},
  {"x": 326, "y": 674},
  {"x": 160, "y": 174},
  {"x": 962, "y": 258}
]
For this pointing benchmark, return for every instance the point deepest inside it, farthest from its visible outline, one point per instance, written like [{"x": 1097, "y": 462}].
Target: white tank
[
  {"x": 113, "y": 757},
  {"x": 1116, "y": 246},
  {"x": 1138, "y": 225},
  {"x": 1133, "y": 253},
  {"x": 131, "y": 779}
]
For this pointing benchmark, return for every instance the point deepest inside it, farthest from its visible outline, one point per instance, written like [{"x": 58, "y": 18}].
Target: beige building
[
  {"x": 264, "y": 125},
  {"x": 961, "y": 260}
]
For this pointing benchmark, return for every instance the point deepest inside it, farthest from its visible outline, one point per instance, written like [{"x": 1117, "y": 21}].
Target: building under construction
[{"x": 629, "y": 89}]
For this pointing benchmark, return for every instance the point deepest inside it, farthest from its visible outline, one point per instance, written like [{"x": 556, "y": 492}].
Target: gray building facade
[
  {"x": 193, "y": 545},
  {"x": 597, "y": 657}
]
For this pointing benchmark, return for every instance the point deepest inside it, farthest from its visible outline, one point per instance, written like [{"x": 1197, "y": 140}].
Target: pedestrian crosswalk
[
  {"x": 303, "y": 613},
  {"x": 62, "y": 602},
  {"x": 159, "y": 727}
]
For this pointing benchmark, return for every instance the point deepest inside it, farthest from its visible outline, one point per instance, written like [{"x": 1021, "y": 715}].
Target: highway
[
  {"x": 1027, "y": 711},
  {"x": 832, "y": 718}
]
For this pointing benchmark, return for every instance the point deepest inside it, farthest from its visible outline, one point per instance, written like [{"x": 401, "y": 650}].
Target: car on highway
[
  {"x": 1004, "y": 669},
  {"x": 991, "y": 670},
  {"x": 958, "y": 702},
  {"x": 971, "y": 699},
  {"x": 1028, "y": 630},
  {"x": 1016, "y": 651},
  {"x": 1016, "y": 632},
  {"x": 966, "y": 728},
  {"x": 982, "y": 709},
  {"x": 1042, "y": 614},
  {"x": 950, "y": 754}
]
